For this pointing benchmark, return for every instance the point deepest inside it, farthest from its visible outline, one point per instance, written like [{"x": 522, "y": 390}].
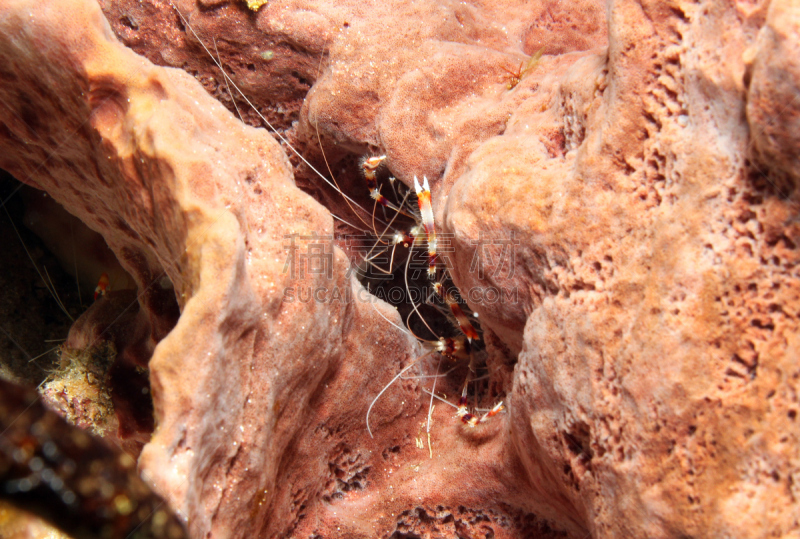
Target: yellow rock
[{"x": 255, "y": 4}]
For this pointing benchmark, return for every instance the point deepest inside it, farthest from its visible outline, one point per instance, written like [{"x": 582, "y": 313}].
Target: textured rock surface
[
  {"x": 659, "y": 366},
  {"x": 647, "y": 341}
]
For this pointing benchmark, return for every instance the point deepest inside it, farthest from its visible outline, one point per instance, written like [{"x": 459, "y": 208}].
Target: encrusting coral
[
  {"x": 622, "y": 218},
  {"x": 78, "y": 389}
]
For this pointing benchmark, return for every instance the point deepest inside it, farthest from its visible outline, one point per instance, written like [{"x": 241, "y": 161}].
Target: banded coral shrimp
[
  {"x": 384, "y": 231},
  {"x": 455, "y": 347}
]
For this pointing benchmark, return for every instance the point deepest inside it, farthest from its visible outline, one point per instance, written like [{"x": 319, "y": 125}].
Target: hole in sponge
[{"x": 96, "y": 372}]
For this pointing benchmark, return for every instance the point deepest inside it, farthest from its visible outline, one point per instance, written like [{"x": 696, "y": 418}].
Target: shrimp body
[{"x": 426, "y": 210}]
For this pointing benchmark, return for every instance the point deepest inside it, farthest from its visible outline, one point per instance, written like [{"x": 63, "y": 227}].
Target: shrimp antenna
[
  {"x": 252, "y": 106},
  {"x": 328, "y": 166},
  {"x": 394, "y": 246},
  {"x": 437, "y": 397},
  {"x": 408, "y": 289},
  {"x": 393, "y": 380},
  {"x": 48, "y": 283},
  {"x": 225, "y": 76},
  {"x": 241, "y": 118},
  {"x": 404, "y": 330},
  {"x": 430, "y": 407}
]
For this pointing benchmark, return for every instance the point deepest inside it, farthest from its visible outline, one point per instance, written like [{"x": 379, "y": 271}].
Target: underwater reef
[{"x": 615, "y": 186}]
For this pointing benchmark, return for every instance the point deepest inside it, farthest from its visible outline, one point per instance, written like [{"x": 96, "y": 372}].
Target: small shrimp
[
  {"x": 370, "y": 166},
  {"x": 102, "y": 286}
]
